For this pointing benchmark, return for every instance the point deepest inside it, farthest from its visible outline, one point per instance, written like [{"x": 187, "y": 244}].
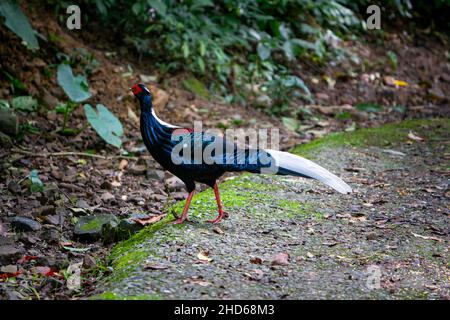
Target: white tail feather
[{"x": 310, "y": 169}]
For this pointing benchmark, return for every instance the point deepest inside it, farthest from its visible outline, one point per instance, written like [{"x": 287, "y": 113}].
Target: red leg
[
  {"x": 219, "y": 205},
  {"x": 185, "y": 210}
]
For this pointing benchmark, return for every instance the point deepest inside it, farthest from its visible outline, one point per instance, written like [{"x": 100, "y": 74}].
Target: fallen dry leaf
[
  {"x": 218, "y": 230},
  {"x": 426, "y": 237},
  {"x": 2, "y": 230},
  {"x": 204, "y": 256},
  {"x": 256, "y": 260},
  {"x": 281, "y": 259},
  {"x": 197, "y": 281},
  {"x": 123, "y": 163},
  {"x": 414, "y": 137},
  {"x": 255, "y": 275},
  {"x": 150, "y": 266},
  {"x": 150, "y": 220}
]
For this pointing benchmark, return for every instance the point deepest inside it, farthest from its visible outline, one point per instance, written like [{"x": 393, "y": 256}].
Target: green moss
[
  {"x": 293, "y": 208},
  {"x": 112, "y": 296},
  {"x": 95, "y": 224},
  {"x": 384, "y": 136}
]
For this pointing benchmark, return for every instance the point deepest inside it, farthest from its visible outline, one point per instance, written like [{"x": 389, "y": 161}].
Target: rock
[
  {"x": 263, "y": 101},
  {"x": 46, "y": 210},
  {"x": 5, "y": 140},
  {"x": 281, "y": 259},
  {"x": 9, "y": 254},
  {"x": 14, "y": 187},
  {"x": 9, "y": 122},
  {"x": 82, "y": 204},
  {"x": 25, "y": 224},
  {"x": 106, "y": 197},
  {"x": 11, "y": 269},
  {"x": 89, "y": 262},
  {"x": 160, "y": 98},
  {"x": 128, "y": 227},
  {"x": 92, "y": 228},
  {"x": 106, "y": 185},
  {"x": 156, "y": 174},
  {"x": 138, "y": 170},
  {"x": 3, "y": 230},
  {"x": 174, "y": 183},
  {"x": 48, "y": 100},
  {"x": 51, "y": 236},
  {"x": 52, "y": 219},
  {"x": 51, "y": 191}
]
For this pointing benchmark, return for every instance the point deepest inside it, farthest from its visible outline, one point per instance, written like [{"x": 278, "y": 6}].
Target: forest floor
[{"x": 37, "y": 241}]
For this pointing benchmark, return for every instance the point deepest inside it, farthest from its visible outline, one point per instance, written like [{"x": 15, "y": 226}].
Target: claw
[{"x": 178, "y": 221}]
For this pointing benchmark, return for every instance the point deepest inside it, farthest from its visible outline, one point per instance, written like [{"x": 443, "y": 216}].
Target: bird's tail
[{"x": 290, "y": 164}]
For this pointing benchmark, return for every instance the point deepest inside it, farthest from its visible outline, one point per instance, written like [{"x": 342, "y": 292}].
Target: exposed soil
[{"x": 76, "y": 185}]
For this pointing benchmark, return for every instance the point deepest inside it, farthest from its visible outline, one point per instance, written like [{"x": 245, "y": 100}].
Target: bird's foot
[
  {"x": 178, "y": 221},
  {"x": 222, "y": 215}
]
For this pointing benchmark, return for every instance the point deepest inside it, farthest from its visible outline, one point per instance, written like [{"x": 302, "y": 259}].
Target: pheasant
[{"x": 165, "y": 143}]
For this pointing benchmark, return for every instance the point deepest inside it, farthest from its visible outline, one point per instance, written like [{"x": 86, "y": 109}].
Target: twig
[{"x": 70, "y": 153}]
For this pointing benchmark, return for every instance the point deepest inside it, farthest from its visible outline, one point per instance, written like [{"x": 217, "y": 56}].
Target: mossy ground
[{"x": 333, "y": 240}]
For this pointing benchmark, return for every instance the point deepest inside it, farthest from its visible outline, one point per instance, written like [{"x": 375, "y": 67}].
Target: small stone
[
  {"x": 106, "y": 185},
  {"x": 128, "y": 227},
  {"x": 14, "y": 187},
  {"x": 123, "y": 163},
  {"x": 48, "y": 100},
  {"x": 9, "y": 254},
  {"x": 25, "y": 224},
  {"x": 82, "y": 204},
  {"x": 106, "y": 197},
  {"x": 10, "y": 269},
  {"x": 46, "y": 210},
  {"x": 90, "y": 228},
  {"x": 53, "y": 219},
  {"x": 371, "y": 236},
  {"x": 174, "y": 183},
  {"x": 156, "y": 174},
  {"x": 263, "y": 101},
  {"x": 51, "y": 236},
  {"x": 138, "y": 170},
  {"x": 89, "y": 262},
  {"x": 281, "y": 259}
]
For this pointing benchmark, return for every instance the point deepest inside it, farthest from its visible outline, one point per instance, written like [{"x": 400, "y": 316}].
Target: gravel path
[{"x": 288, "y": 238}]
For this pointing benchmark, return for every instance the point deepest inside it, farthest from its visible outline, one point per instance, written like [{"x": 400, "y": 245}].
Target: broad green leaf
[
  {"x": 263, "y": 51},
  {"x": 185, "y": 48},
  {"x": 287, "y": 47},
  {"x": 195, "y": 86},
  {"x": 108, "y": 127},
  {"x": 201, "y": 64},
  {"x": 76, "y": 88},
  {"x": 290, "y": 123},
  {"x": 4, "y": 104},
  {"x": 24, "y": 103},
  {"x": 199, "y": 4},
  {"x": 369, "y": 107},
  {"x": 202, "y": 48},
  {"x": 36, "y": 183},
  {"x": 16, "y": 20},
  {"x": 159, "y": 6}
]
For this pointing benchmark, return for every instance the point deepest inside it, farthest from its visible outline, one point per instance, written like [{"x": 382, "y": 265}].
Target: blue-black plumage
[{"x": 163, "y": 140}]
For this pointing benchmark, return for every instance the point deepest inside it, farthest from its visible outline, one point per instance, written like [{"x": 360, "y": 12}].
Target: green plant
[
  {"x": 17, "y": 22},
  {"x": 35, "y": 182},
  {"x": 105, "y": 123}
]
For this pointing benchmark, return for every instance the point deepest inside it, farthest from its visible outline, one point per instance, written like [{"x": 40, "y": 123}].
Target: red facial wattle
[{"x": 136, "y": 89}]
